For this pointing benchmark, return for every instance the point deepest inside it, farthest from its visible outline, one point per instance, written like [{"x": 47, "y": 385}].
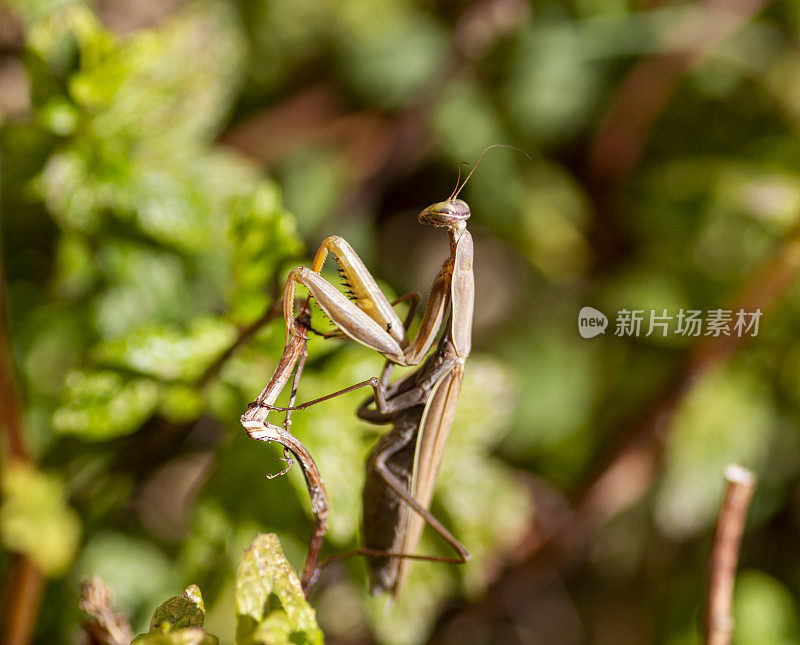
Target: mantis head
[
  {"x": 449, "y": 213},
  {"x": 453, "y": 212}
]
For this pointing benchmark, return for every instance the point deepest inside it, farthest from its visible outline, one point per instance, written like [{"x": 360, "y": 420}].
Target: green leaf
[
  {"x": 139, "y": 572},
  {"x": 101, "y": 405},
  {"x": 142, "y": 90},
  {"x": 184, "y": 636},
  {"x": 35, "y": 518},
  {"x": 465, "y": 121},
  {"x": 553, "y": 84},
  {"x": 389, "y": 50},
  {"x": 186, "y": 610},
  {"x": 138, "y": 122},
  {"x": 74, "y": 266},
  {"x": 270, "y": 606},
  {"x": 764, "y": 611},
  {"x": 263, "y": 234},
  {"x": 728, "y": 416},
  {"x": 146, "y": 286},
  {"x": 167, "y": 353}
]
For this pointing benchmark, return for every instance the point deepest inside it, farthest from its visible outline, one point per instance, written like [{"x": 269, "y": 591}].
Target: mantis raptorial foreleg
[
  {"x": 378, "y": 385},
  {"x": 368, "y": 319}
]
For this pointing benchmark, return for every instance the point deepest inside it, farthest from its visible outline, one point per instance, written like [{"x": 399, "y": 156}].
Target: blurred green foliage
[
  {"x": 138, "y": 243},
  {"x": 35, "y": 519}
]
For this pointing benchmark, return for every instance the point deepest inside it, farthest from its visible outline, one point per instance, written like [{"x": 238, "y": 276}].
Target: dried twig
[
  {"x": 718, "y": 621},
  {"x": 108, "y": 628}
]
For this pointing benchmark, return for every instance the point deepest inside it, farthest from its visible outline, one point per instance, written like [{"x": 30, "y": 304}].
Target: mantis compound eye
[
  {"x": 458, "y": 209},
  {"x": 446, "y": 213}
]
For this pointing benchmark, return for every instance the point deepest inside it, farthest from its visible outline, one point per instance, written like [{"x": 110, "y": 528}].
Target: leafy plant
[{"x": 163, "y": 170}]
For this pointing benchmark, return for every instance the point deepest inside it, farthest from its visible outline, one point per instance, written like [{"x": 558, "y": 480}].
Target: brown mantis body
[{"x": 402, "y": 470}]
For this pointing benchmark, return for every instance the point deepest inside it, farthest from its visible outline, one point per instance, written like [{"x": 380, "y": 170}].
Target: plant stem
[
  {"x": 718, "y": 620},
  {"x": 22, "y": 589}
]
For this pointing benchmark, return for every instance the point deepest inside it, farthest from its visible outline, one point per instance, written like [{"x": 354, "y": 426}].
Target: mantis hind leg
[
  {"x": 386, "y": 523},
  {"x": 397, "y": 486}
]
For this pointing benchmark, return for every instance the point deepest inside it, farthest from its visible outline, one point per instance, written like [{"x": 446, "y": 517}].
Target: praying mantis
[{"x": 403, "y": 467}]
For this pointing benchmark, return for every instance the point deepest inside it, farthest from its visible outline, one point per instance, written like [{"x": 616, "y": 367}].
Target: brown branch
[
  {"x": 718, "y": 620},
  {"x": 10, "y": 407},
  {"x": 22, "y": 589},
  {"x": 244, "y": 335},
  {"x": 650, "y": 85},
  {"x": 22, "y": 593},
  {"x": 309, "y": 114}
]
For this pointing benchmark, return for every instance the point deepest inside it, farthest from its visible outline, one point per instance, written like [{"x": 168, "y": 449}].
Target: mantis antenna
[
  {"x": 485, "y": 150},
  {"x": 458, "y": 180}
]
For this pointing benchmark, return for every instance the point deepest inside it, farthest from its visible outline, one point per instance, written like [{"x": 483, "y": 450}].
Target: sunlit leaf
[
  {"x": 186, "y": 610},
  {"x": 270, "y": 606},
  {"x": 166, "y": 353},
  {"x": 182, "y": 636}
]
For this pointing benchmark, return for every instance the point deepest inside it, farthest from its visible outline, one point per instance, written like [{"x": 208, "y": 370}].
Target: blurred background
[{"x": 165, "y": 164}]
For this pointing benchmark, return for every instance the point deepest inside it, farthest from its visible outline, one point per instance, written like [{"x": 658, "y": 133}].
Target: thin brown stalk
[
  {"x": 22, "y": 593},
  {"x": 22, "y": 588},
  {"x": 722, "y": 563},
  {"x": 244, "y": 335},
  {"x": 10, "y": 407}
]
